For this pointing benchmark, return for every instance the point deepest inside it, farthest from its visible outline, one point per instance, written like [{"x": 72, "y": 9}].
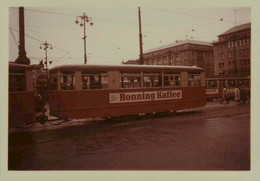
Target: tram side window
[
  {"x": 171, "y": 80},
  {"x": 130, "y": 80},
  {"x": 67, "y": 81},
  {"x": 17, "y": 82},
  {"x": 240, "y": 83},
  {"x": 232, "y": 83},
  {"x": 152, "y": 80},
  {"x": 212, "y": 84},
  {"x": 222, "y": 83},
  {"x": 53, "y": 81},
  {"x": 94, "y": 81},
  {"x": 194, "y": 80}
]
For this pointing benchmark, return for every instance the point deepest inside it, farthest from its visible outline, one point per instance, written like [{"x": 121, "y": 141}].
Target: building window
[
  {"x": 247, "y": 41},
  {"x": 243, "y": 41}
]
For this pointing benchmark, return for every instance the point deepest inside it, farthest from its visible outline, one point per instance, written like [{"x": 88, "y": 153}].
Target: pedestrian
[
  {"x": 248, "y": 95},
  {"x": 224, "y": 95},
  {"x": 243, "y": 94},
  {"x": 237, "y": 95}
]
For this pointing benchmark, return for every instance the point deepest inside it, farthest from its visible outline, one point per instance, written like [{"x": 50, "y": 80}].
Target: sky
[{"x": 114, "y": 37}]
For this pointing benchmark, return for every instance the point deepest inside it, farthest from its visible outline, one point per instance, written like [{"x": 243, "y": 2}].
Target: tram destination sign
[
  {"x": 125, "y": 97},
  {"x": 211, "y": 91}
]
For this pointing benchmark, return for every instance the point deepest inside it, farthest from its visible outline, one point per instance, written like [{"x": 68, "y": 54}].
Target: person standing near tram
[
  {"x": 243, "y": 94},
  {"x": 237, "y": 95},
  {"x": 224, "y": 95}
]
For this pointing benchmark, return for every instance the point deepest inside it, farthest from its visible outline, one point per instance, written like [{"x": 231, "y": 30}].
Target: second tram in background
[
  {"x": 214, "y": 86},
  {"x": 90, "y": 91},
  {"x": 21, "y": 95}
]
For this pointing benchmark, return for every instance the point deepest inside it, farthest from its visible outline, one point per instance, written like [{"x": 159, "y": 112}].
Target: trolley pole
[
  {"x": 45, "y": 47},
  {"x": 84, "y": 19},
  {"x": 140, "y": 38}
]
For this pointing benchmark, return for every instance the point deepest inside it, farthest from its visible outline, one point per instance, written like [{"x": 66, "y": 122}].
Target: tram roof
[
  {"x": 129, "y": 68},
  {"x": 19, "y": 66}
]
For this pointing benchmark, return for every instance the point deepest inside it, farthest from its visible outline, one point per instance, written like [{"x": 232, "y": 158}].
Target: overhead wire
[
  {"x": 135, "y": 23},
  {"x": 16, "y": 42},
  {"x": 40, "y": 40},
  {"x": 187, "y": 14}
]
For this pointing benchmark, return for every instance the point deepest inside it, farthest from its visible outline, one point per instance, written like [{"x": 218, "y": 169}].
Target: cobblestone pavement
[{"x": 215, "y": 137}]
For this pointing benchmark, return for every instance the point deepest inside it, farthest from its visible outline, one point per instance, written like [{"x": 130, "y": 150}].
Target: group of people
[{"x": 242, "y": 95}]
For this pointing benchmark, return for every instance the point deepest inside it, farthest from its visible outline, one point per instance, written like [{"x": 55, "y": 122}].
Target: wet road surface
[{"x": 215, "y": 137}]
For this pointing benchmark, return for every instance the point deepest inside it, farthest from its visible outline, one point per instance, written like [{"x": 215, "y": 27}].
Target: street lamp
[
  {"x": 83, "y": 20},
  {"x": 45, "y": 47}
]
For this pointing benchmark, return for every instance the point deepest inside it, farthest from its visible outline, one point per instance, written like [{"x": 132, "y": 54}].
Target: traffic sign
[{"x": 42, "y": 80}]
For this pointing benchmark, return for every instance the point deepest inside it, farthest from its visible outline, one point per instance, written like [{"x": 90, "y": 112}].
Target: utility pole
[
  {"x": 84, "y": 19},
  {"x": 45, "y": 47},
  {"x": 22, "y": 59},
  {"x": 140, "y": 38}
]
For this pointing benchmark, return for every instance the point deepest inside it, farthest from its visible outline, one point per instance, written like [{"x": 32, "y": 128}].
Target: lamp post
[
  {"x": 45, "y": 47},
  {"x": 83, "y": 20}
]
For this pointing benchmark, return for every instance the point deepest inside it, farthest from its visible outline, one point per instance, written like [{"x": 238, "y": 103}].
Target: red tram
[
  {"x": 90, "y": 91},
  {"x": 21, "y": 95},
  {"x": 214, "y": 86}
]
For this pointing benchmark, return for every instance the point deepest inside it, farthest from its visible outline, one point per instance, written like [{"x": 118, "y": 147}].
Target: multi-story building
[
  {"x": 131, "y": 62},
  {"x": 232, "y": 52},
  {"x": 183, "y": 53}
]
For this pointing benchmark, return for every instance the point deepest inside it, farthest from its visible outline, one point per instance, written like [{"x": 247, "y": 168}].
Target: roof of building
[
  {"x": 181, "y": 42},
  {"x": 237, "y": 28},
  {"x": 131, "y": 62},
  {"x": 13, "y": 65}
]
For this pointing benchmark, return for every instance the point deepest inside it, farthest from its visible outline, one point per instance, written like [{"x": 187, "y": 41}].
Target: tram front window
[
  {"x": 53, "y": 81},
  {"x": 17, "y": 80},
  {"x": 17, "y": 83}
]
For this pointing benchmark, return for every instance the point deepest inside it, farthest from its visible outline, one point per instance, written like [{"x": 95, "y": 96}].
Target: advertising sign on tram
[{"x": 126, "y": 97}]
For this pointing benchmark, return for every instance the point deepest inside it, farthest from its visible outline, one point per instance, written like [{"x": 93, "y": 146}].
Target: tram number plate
[{"x": 125, "y": 97}]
